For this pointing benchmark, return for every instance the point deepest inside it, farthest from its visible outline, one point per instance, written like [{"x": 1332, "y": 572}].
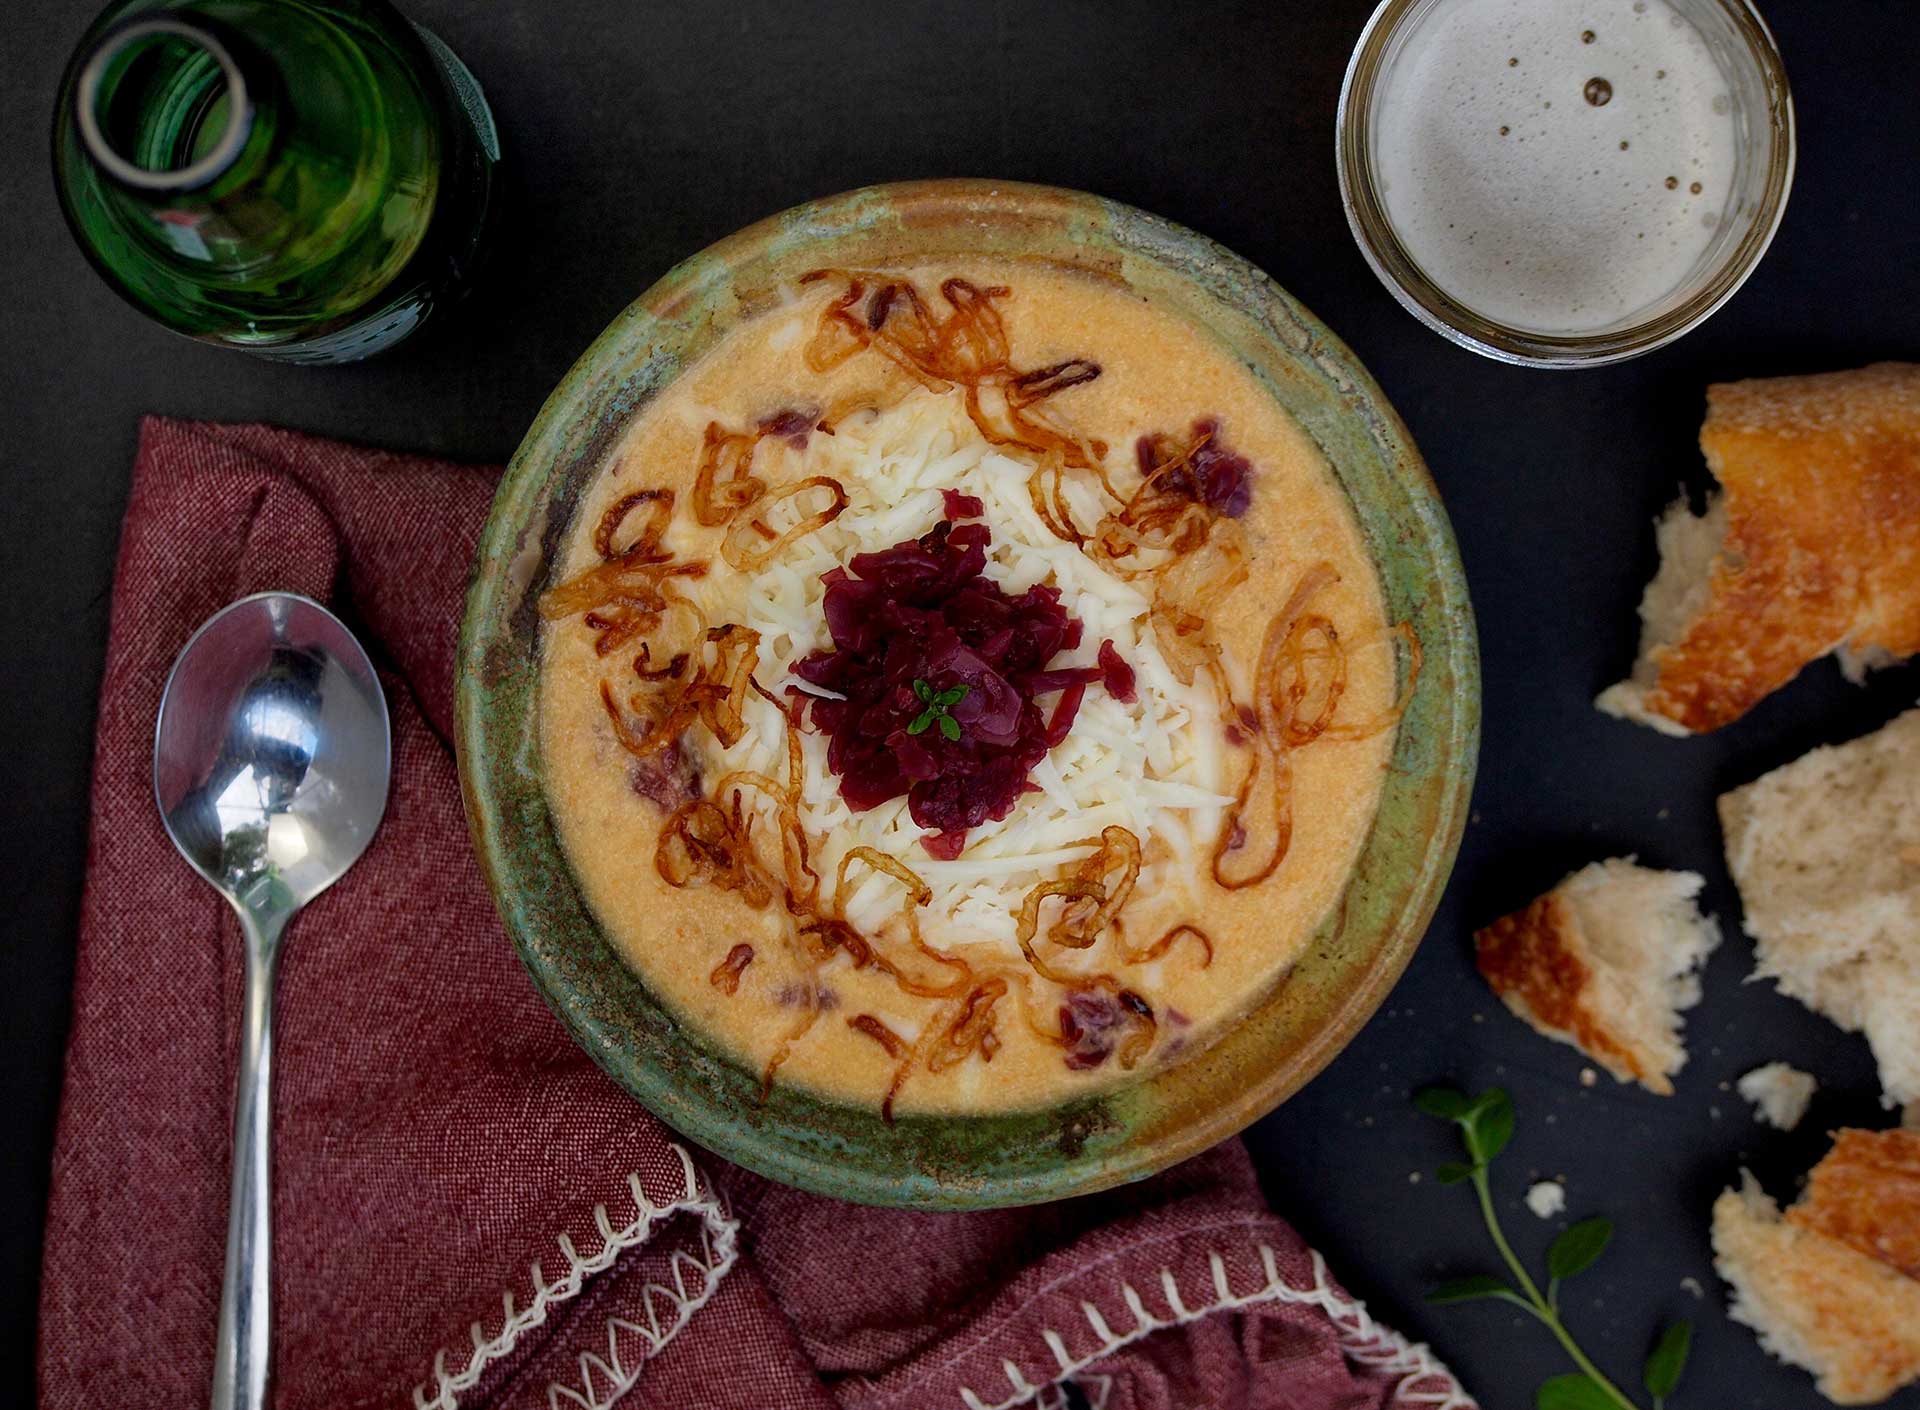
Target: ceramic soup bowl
[{"x": 959, "y": 1161}]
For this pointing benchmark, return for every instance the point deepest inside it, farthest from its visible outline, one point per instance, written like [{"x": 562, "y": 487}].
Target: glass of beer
[{"x": 1564, "y": 183}]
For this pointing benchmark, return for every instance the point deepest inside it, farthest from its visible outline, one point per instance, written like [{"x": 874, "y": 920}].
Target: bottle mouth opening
[{"x": 163, "y": 106}]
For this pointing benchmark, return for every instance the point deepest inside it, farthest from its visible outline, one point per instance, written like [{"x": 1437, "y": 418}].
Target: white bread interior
[
  {"x": 1677, "y": 594},
  {"x": 1780, "y": 1094},
  {"x": 1826, "y": 853},
  {"x": 1817, "y": 1303},
  {"x": 1648, "y": 941}
]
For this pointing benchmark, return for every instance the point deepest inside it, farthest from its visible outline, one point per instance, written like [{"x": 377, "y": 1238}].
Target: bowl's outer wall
[{"x": 968, "y": 1162}]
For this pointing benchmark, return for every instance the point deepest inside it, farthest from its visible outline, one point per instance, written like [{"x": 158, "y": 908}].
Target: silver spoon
[{"x": 270, "y": 765}]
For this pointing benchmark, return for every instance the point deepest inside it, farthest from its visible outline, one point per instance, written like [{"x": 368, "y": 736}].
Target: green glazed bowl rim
[{"x": 1132, "y": 1130}]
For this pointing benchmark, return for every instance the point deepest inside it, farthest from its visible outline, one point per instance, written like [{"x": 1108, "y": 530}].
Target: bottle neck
[
  {"x": 266, "y": 172},
  {"x": 174, "y": 112}
]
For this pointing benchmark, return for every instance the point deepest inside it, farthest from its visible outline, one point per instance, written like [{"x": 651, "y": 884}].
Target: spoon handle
[{"x": 241, "y": 1354}]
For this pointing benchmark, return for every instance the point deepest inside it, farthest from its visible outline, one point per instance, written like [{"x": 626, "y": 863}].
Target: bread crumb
[
  {"x": 1547, "y": 1198},
  {"x": 1909, "y": 855},
  {"x": 1588, "y": 1077},
  {"x": 1692, "y": 1285},
  {"x": 1780, "y": 1094}
]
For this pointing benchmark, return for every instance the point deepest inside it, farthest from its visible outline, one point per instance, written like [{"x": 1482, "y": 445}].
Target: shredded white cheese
[{"x": 1154, "y": 767}]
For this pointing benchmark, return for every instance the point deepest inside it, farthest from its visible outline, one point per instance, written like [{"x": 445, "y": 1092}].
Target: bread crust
[
  {"x": 1817, "y": 1302},
  {"x": 1866, "y": 1194},
  {"x": 1537, "y": 961},
  {"x": 1821, "y": 478}
]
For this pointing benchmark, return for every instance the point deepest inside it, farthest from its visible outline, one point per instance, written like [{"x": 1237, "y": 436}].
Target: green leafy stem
[
  {"x": 938, "y": 704},
  {"x": 1486, "y": 1125}
]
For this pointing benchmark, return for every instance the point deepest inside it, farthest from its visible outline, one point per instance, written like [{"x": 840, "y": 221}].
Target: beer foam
[{"x": 1558, "y": 166}]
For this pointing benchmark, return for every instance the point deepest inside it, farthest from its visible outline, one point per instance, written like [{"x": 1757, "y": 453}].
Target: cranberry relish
[{"x": 920, "y": 620}]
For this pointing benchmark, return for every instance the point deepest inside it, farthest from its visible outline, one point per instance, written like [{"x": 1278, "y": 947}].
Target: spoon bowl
[
  {"x": 271, "y": 751},
  {"x": 270, "y": 767}
]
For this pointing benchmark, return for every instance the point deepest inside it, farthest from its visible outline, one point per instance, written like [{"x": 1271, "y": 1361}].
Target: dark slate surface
[{"x": 641, "y": 132}]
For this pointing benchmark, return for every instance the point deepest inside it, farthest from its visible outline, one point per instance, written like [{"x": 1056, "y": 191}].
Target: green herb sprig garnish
[
  {"x": 1486, "y": 1125},
  {"x": 937, "y": 707}
]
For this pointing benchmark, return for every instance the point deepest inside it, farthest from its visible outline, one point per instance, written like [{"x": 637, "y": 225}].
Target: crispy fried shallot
[
  {"x": 645, "y": 546},
  {"x": 715, "y": 694},
  {"x": 703, "y": 844},
  {"x": 1083, "y": 920},
  {"x": 1047, "y": 490},
  {"x": 1298, "y": 660},
  {"x": 802, "y": 882},
  {"x": 644, "y": 668},
  {"x": 1166, "y": 943},
  {"x": 736, "y": 653},
  {"x": 1070, "y": 890},
  {"x": 1099, "y": 1016},
  {"x": 625, "y": 596},
  {"x": 726, "y": 974},
  {"x": 970, "y": 1030},
  {"x": 918, "y": 894},
  {"x": 967, "y": 347},
  {"x": 745, "y": 556},
  {"x": 725, "y": 483},
  {"x": 1257, "y": 830},
  {"x": 1190, "y": 589},
  {"x": 793, "y": 1035},
  {"x": 892, "y": 1043},
  {"x": 1401, "y": 632},
  {"x": 622, "y": 599},
  {"x": 822, "y": 935},
  {"x": 649, "y": 739}
]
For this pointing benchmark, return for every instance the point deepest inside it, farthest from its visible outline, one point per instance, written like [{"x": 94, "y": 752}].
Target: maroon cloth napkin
[{"x": 466, "y": 1211}]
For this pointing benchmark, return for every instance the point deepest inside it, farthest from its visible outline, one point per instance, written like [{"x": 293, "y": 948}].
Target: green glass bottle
[{"x": 304, "y": 179}]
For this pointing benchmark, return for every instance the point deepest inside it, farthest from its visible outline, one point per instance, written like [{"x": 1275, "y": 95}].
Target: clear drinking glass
[{"x": 1762, "y": 173}]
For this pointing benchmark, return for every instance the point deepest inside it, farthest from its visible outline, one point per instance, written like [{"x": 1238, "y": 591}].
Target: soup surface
[{"x": 965, "y": 688}]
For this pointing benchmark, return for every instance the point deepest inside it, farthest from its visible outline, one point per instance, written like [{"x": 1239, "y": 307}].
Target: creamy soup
[{"x": 965, "y": 688}]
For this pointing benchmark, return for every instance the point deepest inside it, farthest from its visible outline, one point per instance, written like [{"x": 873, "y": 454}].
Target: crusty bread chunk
[
  {"x": 1810, "y": 545},
  {"x": 1606, "y": 961},
  {"x": 1826, "y": 1286},
  {"x": 1826, "y": 853}
]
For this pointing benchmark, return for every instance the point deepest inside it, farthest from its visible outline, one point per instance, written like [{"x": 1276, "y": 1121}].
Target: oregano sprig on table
[{"x": 1486, "y": 1125}]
